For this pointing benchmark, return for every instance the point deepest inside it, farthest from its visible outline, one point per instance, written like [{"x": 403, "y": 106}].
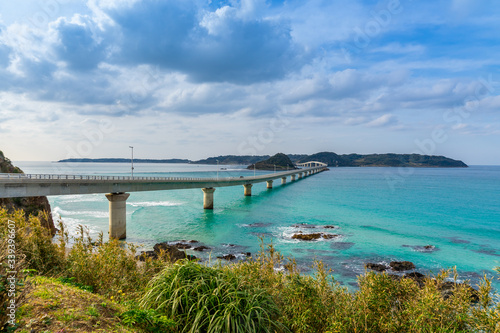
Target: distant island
[
  {"x": 122, "y": 160},
  {"x": 330, "y": 158}
]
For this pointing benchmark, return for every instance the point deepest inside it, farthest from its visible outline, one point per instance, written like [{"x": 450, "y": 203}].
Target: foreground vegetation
[{"x": 100, "y": 286}]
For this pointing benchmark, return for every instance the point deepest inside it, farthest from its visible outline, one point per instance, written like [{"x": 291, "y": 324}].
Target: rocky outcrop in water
[
  {"x": 166, "y": 251},
  {"x": 399, "y": 266},
  {"x": 313, "y": 236}
]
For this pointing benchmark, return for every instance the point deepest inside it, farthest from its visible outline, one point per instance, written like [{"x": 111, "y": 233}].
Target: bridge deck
[{"x": 26, "y": 185}]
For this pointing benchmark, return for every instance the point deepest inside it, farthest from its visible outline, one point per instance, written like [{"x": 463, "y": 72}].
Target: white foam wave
[
  {"x": 286, "y": 234},
  {"x": 82, "y": 198},
  {"x": 91, "y": 213},
  {"x": 153, "y": 203}
]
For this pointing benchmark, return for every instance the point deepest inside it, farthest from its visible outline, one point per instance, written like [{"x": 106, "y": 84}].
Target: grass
[
  {"x": 53, "y": 306},
  {"x": 99, "y": 286},
  {"x": 205, "y": 299}
]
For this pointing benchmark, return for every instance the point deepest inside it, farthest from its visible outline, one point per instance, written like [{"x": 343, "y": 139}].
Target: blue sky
[{"x": 198, "y": 78}]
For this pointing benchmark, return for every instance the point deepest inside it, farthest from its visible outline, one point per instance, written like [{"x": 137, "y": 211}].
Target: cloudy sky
[{"x": 198, "y": 78}]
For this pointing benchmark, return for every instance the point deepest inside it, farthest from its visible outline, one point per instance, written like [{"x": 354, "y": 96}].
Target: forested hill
[
  {"x": 384, "y": 160},
  {"x": 330, "y": 158}
]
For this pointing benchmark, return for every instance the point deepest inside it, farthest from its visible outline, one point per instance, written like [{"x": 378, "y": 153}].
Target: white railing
[{"x": 90, "y": 177}]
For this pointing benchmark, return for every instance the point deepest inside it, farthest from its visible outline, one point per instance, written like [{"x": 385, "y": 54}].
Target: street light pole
[{"x": 132, "y": 160}]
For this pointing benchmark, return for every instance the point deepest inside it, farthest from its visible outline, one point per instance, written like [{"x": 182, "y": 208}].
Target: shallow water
[{"x": 382, "y": 214}]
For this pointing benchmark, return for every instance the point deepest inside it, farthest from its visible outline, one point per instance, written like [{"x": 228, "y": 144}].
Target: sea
[{"x": 437, "y": 218}]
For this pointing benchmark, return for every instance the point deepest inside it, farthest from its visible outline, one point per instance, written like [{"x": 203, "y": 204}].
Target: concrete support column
[
  {"x": 300, "y": 175},
  {"x": 269, "y": 184},
  {"x": 117, "y": 215},
  {"x": 293, "y": 178},
  {"x": 247, "y": 190},
  {"x": 283, "y": 180},
  {"x": 208, "y": 197}
]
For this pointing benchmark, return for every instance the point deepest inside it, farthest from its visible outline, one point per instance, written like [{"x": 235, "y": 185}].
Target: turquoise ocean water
[{"x": 382, "y": 214}]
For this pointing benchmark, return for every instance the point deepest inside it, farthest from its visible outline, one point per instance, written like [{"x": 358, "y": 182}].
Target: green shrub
[
  {"x": 205, "y": 299},
  {"x": 109, "y": 268},
  {"x": 34, "y": 243},
  {"x": 148, "y": 320}
]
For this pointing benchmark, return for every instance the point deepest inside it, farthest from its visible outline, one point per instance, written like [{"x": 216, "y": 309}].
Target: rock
[
  {"x": 304, "y": 225},
  {"x": 182, "y": 246},
  {"x": 329, "y": 236},
  {"x": 376, "y": 267},
  {"x": 307, "y": 237},
  {"x": 419, "y": 278},
  {"x": 147, "y": 254},
  {"x": 227, "y": 257},
  {"x": 330, "y": 227},
  {"x": 248, "y": 254},
  {"x": 36, "y": 206},
  {"x": 447, "y": 289},
  {"x": 399, "y": 266},
  {"x": 425, "y": 248},
  {"x": 313, "y": 236},
  {"x": 201, "y": 248},
  {"x": 193, "y": 241},
  {"x": 171, "y": 252}
]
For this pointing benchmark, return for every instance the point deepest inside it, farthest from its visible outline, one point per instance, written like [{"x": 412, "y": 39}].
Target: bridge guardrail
[{"x": 92, "y": 177}]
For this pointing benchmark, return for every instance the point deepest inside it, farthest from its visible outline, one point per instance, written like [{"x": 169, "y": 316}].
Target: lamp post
[
  {"x": 132, "y": 160},
  {"x": 217, "y": 169}
]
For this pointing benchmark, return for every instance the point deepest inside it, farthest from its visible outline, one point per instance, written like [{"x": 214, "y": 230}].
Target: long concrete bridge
[{"x": 116, "y": 188}]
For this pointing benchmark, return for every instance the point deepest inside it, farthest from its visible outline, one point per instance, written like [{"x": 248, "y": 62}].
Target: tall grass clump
[
  {"x": 34, "y": 243},
  {"x": 205, "y": 299},
  {"x": 110, "y": 268},
  {"x": 306, "y": 303}
]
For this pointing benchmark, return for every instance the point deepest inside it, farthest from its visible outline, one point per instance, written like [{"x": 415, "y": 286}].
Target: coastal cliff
[{"x": 36, "y": 206}]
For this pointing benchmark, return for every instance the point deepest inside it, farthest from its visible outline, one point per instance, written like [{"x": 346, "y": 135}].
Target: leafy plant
[
  {"x": 205, "y": 299},
  {"x": 149, "y": 320}
]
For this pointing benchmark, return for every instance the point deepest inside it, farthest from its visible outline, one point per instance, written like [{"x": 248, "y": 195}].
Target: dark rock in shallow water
[
  {"x": 329, "y": 236},
  {"x": 330, "y": 227},
  {"x": 147, "y": 254},
  {"x": 304, "y": 225},
  {"x": 313, "y": 236},
  {"x": 258, "y": 225},
  {"x": 182, "y": 246},
  {"x": 201, "y": 248},
  {"x": 376, "y": 267},
  {"x": 171, "y": 252},
  {"x": 341, "y": 245},
  {"x": 424, "y": 248},
  {"x": 402, "y": 265},
  {"x": 447, "y": 290},
  {"x": 227, "y": 257}
]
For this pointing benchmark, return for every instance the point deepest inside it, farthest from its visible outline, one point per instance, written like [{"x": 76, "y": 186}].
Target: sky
[{"x": 199, "y": 78}]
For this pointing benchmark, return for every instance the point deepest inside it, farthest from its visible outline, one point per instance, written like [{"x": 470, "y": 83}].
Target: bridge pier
[
  {"x": 269, "y": 184},
  {"x": 292, "y": 178},
  {"x": 247, "y": 190},
  {"x": 208, "y": 197},
  {"x": 300, "y": 175},
  {"x": 283, "y": 180},
  {"x": 117, "y": 215}
]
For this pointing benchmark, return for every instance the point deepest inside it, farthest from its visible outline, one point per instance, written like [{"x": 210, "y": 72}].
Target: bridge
[
  {"x": 311, "y": 164},
  {"x": 116, "y": 187}
]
